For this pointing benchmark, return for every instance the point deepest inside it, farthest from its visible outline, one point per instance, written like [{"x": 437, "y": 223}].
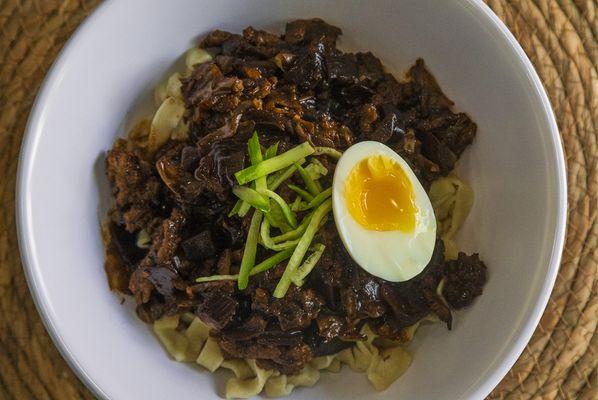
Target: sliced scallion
[
  {"x": 272, "y": 261},
  {"x": 261, "y": 267},
  {"x": 213, "y": 278},
  {"x": 241, "y": 208},
  {"x": 255, "y": 156},
  {"x": 267, "y": 241},
  {"x": 310, "y": 184},
  {"x": 275, "y": 180},
  {"x": 271, "y": 151},
  {"x": 276, "y": 218},
  {"x": 295, "y": 233},
  {"x": 236, "y": 208},
  {"x": 274, "y": 164},
  {"x": 248, "y": 260},
  {"x": 303, "y": 193},
  {"x": 316, "y": 201},
  {"x": 315, "y": 169},
  {"x": 244, "y": 209},
  {"x": 284, "y": 207},
  {"x": 253, "y": 197},
  {"x": 301, "y": 249},
  {"x": 328, "y": 151},
  {"x": 309, "y": 264}
]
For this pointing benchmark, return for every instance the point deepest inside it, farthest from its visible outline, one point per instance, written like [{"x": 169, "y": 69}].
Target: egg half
[{"x": 382, "y": 212}]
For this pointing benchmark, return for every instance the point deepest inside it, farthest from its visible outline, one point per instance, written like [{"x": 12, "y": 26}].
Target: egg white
[{"x": 391, "y": 255}]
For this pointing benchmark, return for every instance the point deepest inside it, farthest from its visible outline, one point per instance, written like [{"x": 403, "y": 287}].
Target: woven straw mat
[{"x": 559, "y": 36}]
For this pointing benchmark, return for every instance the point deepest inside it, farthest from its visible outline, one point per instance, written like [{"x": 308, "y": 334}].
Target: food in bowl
[{"x": 290, "y": 208}]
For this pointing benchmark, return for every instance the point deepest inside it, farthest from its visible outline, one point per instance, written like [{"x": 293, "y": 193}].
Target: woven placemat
[{"x": 560, "y": 37}]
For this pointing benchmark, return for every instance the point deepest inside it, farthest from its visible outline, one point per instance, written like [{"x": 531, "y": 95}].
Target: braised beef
[
  {"x": 200, "y": 246},
  {"x": 135, "y": 188},
  {"x": 217, "y": 310},
  {"x": 303, "y": 31},
  {"x": 125, "y": 244},
  {"x": 289, "y": 88},
  {"x": 296, "y": 309},
  {"x": 465, "y": 279},
  {"x": 229, "y": 232}
]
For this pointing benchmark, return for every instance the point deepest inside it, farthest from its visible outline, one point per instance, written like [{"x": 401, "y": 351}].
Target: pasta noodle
[
  {"x": 387, "y": 367},
  {"x": 283, "y": 385},
  {"x": 210, "y": 356},
  {"x": 165, "y": 121},
  {"x": 193, "y": 343},
  {"x": 244, "y": 388},
  {"x": 452, "y": 200},
  {"x": 196, "y": 56},
  {"x": 139, "y": 133},
  {"x": 173, "y": 86}
]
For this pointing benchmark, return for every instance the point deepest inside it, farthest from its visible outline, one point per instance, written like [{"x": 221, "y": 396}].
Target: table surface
[{"x": 560, "y": 37}]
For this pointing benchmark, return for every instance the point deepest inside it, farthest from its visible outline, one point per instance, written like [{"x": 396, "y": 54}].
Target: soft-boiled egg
[{"x": 382, "y": 212}]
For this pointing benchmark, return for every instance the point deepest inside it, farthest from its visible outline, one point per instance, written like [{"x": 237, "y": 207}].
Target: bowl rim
[{"x": 34, "y": 127}]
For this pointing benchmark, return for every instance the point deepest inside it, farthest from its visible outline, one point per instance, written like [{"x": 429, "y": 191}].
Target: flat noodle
[
  {"x": 382, "y": 366},
  {"x": 173, "y": 86},
  {"x": 322, "y": 362},
  {"x": 196, "y": 56},
  {"x": 180, "y": 132},
  {"x": 239, "y": 367},
  {"x": 175, "y": 342},
  {"x": 160, "y": 94},
  {"x": 165, "y": 121},
  {"x": 210, "y": 356},
  {"x": 197, "y": 333},
  {"x": 283, "y": 385},
  {"x": 245, "y": 388},
  {"x": 452, "y": 200},
  {"x": 335, "y": 366},
  {"x": 387, "y": 367}
]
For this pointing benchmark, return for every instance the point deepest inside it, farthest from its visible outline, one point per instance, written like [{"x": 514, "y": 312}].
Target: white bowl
[{"x": 111, "y": 64}]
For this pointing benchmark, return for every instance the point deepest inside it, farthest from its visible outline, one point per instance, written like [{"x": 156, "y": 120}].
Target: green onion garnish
[
  {"x": 267, "y": 241},
  {"x": 315, "y": 169},
  {"x": 253, "y": 197},
  {"x": 310, "y": 184},
  {"x": 241, "y": 208},
  {"x": 213, "y": 278},
  {"x": 236, "y": 208},
  {"x": 255, "y": 156},
  {"x": 271, "y": 151},
  {"x": 261, "y": 267},
  {"x": 286, "y": 210},
  {"x": 244, "y": 209},
  {"x": 309, "y": 264},
  {"x": 295, "y": 233},
  {"x": 276, "y": 218},
  {"x": 272, "y": 261},
  {"x": 275, "y": 180},
  {"x": 328, "y": 151},
  {"x": 248, "y": 260},
  {"x": 296, "y": 204},
  {"x": 316, "y": 201},
  {"x": 301, "y": 249},
  {"x": 274, "y": 164},
  {"x": 303, "y": 193}
]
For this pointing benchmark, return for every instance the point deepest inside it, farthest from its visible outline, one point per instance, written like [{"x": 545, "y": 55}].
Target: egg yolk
[{"x": 380, "y": 196}]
